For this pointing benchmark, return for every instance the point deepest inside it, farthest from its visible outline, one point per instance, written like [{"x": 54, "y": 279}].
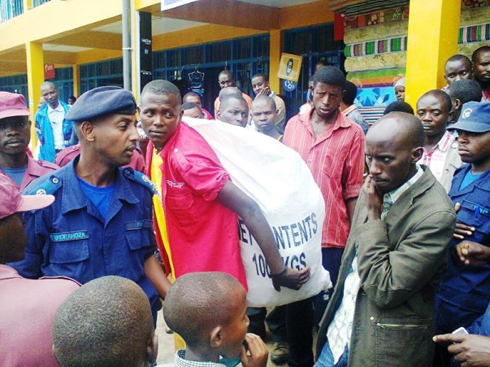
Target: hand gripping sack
[{"x": 276, "y": 177}]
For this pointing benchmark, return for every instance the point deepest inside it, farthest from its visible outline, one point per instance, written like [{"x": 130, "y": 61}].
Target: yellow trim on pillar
[
  {"x": 35, "y": 77},
  {"x": 433, "y": 29},
  {"x": 274, "y": 58},
  {"x": 135, "y": 63},
  {"x": 76, "y": 80},
  {"x": 27, "y": 5}
]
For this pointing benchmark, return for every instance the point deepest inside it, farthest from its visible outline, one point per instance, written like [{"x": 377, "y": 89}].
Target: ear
[
  {"x": 216, "y": 337},
  {"x": 417, "y": 154},
  {"x": 218, "y": 115},
  {"x": 87, "y": 130},
  {"x": 152, "y": 350},
  {"x": 457, "y": 104}
]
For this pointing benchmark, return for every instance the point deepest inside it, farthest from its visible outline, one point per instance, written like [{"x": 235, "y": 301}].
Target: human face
[
  {"x": 457, "y": 70},
  {"x": 433, "y": 113},
  {"x": 195, "y": 113},
  {"x": 481, "y": 67},
  {"x": 389, "y": 160},
  {"x": 326, "y": 99},
  {"x": 264, "y": 116},
  {"x": 115, "y": 138},
  {"x": 474, "y": 148},
  {"x": 258, "y": 86},
  {"x": 50, "y": 95},
  {"x": 15, "y": 135},
  {"x": 400, "y": 92},
  {"x": 233, "y": 333},
  {"x": 194, "y": 99},
  {"x": 225, "y": 80},
  {"x": 160, "y": 115},
  {"x": 13, "y": 238},
  {"x": 235, "y": 112}
]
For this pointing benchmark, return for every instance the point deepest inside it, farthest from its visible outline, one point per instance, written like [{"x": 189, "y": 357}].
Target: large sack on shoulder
[{"x": 279, "y": 181}]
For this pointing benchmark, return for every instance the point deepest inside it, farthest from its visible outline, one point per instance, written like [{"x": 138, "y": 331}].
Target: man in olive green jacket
[{"x": 381, "y": 312}]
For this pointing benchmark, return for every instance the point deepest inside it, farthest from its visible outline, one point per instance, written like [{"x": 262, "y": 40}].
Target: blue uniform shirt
[
  {"x": 71, "y": 238},
  {"x": 464, "y": 294}
]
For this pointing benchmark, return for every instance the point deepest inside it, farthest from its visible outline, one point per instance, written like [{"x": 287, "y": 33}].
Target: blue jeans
[{"x": 326, "y": 357}]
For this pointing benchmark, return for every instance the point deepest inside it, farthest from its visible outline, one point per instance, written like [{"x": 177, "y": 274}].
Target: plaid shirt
[
  {"x": 336, "y": 161},
  {"x": 435, "y": 158}
]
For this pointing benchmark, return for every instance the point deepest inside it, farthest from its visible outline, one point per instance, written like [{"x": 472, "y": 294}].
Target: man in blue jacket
[
  {"x": 101, "y": 221},
  {"x": 54, "y": 131},
  {"x": 464, "y": 294}
]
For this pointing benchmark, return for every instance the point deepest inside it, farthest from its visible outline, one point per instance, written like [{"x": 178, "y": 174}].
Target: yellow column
[
  {"x": 433, "y": 28},
  {"x": 76, "y": 80},
  {"x": 135, "y": 63},
  {"x": 274, "y": 58},
  {"x": 27, "y": 5},
  {"x": 35, "y": 77}
]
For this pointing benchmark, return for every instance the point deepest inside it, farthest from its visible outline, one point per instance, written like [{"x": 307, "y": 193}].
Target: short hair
[
  {"x": 190, "y": 94},
  {"x": 398, "y": 106},
  {"x": 198, "y": 302},
  {"x": 48, "y": 84},
  {"x": 478, "y": 50},
  {"x": 106, "y": 322},
  {"x": 265, "y": 99},
  {"x": 226, "y": 99},
  {"x": 465, "y": 91},
  {"x": 459, "y": 57},
  {"x": 189, "y": 106},
  {"x": 441, "y": 94},
  {"x": 161, "y": 87},
  {"x": 227, "y": 73},
  {"x": 350, "y": 93},
  {"x": 261, "y": 75},
  {"x": 408, "y": 124},
  {"x": 229, "y": 91},
  {"x": 329, "y": 75}
]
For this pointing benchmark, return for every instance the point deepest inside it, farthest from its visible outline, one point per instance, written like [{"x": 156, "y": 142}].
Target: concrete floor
[{"x": 166, "y": 349}]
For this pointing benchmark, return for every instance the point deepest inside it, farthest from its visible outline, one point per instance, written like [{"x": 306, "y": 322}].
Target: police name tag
[{"x": 69, "y": 236}]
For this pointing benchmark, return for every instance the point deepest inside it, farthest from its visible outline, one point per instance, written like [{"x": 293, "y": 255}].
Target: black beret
[{"x": 102, "y": 101}]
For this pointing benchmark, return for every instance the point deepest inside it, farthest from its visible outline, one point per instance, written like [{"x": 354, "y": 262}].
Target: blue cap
[
  {"x": 102, "y": 101},
  {"x": 474, "y": 118}
]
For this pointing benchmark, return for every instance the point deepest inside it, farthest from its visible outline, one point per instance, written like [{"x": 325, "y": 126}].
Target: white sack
[{"x": 279, "y": 181}]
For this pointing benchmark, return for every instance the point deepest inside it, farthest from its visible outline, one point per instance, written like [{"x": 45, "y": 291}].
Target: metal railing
[{"x": 10, "y": 9}]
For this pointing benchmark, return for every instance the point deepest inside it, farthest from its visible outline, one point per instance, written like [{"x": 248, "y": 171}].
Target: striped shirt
[
  {"x": 336, "y": 161},
  {"x": 435, "y": 158}
]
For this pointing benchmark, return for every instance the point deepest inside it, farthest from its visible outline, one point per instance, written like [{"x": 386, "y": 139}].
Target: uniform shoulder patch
[
  {"x": 46, "y": 185},
  {"x": 140, "y": 178}
]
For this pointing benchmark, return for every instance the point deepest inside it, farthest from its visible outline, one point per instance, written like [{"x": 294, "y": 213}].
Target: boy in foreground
[{"x": 209, "y": 311}]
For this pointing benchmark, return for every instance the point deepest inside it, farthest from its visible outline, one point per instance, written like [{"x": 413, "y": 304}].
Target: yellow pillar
[
  {"x": 433, "y": 29},
  {"x": 275, "y": 47},
  {"x": 135, "y": 63},
  {"x": 76, "y": 80},
  {"x": 27, "y": 5},
  {"x": 35, "y": 77}
]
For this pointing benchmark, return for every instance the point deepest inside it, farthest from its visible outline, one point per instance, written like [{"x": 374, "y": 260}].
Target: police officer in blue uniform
[
  {"x": 101, "y": 221},
  {"x": 464, "y": 294}
]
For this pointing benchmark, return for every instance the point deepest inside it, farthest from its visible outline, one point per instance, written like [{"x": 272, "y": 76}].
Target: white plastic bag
[{"x": 279, "y": 181}]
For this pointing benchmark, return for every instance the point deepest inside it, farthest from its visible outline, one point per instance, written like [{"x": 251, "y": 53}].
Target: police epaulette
[
  {"x": 48, "y": 187},
  {"x": 140, "y": 178}
]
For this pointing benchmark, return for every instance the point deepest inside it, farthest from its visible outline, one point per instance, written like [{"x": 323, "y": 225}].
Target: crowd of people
[{"x": 103, "y": 227}]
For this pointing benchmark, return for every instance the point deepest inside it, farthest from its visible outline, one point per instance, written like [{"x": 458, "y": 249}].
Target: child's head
[{"x": 208, "y": 310}]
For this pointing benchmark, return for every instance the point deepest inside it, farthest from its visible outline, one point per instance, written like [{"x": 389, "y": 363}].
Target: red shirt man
[
  {"x": 200, "y": 203},
  {"x": 333, "y": 147}
]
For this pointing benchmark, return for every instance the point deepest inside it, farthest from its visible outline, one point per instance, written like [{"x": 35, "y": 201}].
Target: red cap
[
  {"x": 11, "y": 201},
  {"x": 12, "y": 104}
]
